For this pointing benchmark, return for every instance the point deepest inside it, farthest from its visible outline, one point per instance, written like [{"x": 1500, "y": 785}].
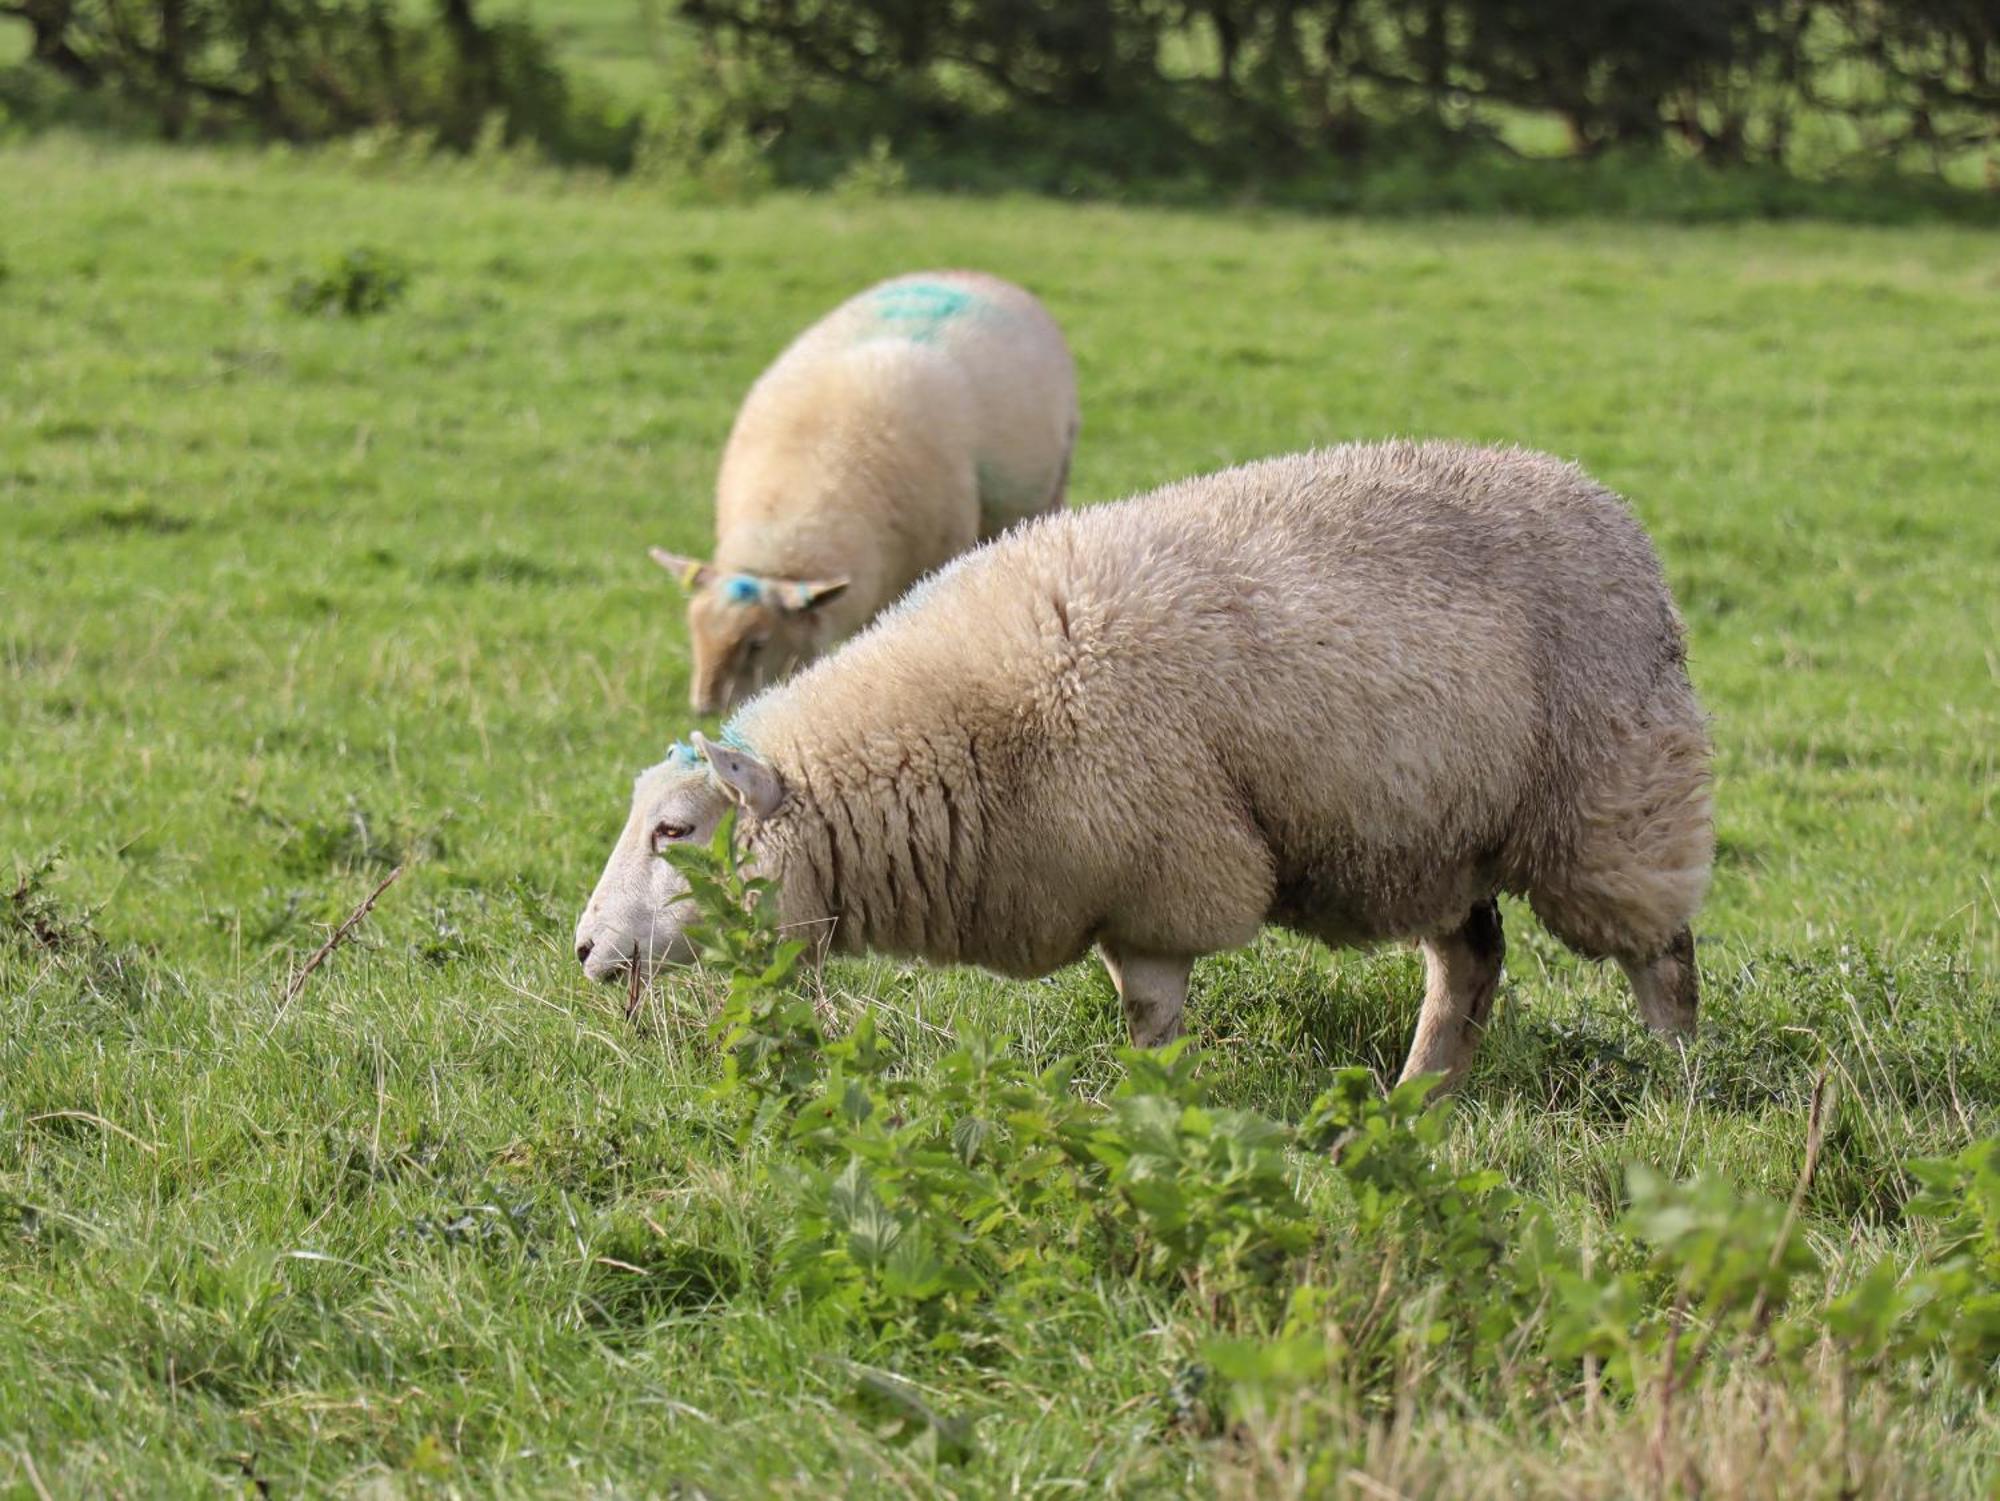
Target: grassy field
[{"x": 288, "y": 601}]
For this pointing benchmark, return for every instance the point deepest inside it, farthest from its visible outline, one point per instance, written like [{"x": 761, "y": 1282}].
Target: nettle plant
[
  {"x": 941, "y": 1210},
  {"x": 928, "y": 1204}
]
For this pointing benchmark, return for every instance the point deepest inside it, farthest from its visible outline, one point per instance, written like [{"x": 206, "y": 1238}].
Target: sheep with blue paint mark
[
  {"x": 1359, "y": 693},
  {"x": 917, "y": 419}
]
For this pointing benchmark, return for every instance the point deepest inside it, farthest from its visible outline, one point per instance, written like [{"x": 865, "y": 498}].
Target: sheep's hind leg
[
  {"x": 1667, "y": 986},
  {"x": 1461, "y": 973},
  {"x": 1153, "y": 991}
]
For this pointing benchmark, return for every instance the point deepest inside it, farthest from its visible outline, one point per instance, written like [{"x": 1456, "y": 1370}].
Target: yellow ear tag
[{"x": 688, "y": 577}]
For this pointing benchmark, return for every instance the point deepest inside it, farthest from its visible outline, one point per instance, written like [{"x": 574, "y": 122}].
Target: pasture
[{"x": 287, "y": 601}]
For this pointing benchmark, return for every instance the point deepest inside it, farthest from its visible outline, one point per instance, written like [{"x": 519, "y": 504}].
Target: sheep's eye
[{"x": 666, "y": 833}]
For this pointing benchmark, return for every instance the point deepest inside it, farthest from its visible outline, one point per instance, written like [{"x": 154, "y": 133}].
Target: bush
[
  {"x": 1278, "y": 86},
  {"x": 303, "y": 70},
  {"x": 1344, "y": 104}
]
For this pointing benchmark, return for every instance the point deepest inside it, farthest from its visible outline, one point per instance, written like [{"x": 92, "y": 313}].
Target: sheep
[
  {"x": 915, "y": 420},
  {"x": 1359, "y": 692}
]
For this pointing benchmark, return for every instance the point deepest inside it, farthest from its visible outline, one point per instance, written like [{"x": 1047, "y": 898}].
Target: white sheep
[
  {"x": 915, "y": 420},
  {"x": 1356, "y": 692}
]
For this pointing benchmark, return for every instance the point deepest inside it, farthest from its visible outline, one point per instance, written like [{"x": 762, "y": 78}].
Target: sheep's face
[
  {"x": 639, "y": 913},
  {"x": 744, "y": 640},
  {"x": 748, "y": 631}
]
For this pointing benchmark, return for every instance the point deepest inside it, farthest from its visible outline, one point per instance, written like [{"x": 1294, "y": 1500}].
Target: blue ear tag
[
  {"x": 741, "y": 589},
  {"x": 680, "y": 753}
]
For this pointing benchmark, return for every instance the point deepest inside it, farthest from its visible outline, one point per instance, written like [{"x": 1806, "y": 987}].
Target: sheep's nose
[{"x": 583, "y": 951}]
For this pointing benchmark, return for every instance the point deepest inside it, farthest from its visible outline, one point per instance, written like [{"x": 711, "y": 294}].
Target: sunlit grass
[{"x": 285, "y": 602}]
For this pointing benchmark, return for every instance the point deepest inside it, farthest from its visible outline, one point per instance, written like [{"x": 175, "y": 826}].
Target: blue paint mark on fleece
[
  {"x": 741, "y": 589},
  {"x": 918, "y": 308}
]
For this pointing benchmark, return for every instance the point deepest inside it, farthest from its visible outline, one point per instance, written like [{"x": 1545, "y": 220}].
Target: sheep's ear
[
  {"x": 745, "y": 778},
  {"x": 798, "y": 597},
  {"x": 692, "y": 572}
]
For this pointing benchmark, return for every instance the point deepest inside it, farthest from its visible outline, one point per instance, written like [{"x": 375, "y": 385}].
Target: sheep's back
[
  {"x": 994, "y": 338},
  {"x": 1331, "y": 672}
]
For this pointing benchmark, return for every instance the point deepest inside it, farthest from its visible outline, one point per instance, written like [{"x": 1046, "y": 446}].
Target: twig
[
  {"x": 334, "y": 940},
  {"x": 1591, "y": 1377},
  {"x": 635, "y": 987},
  {"x": 1816, "y": 1114},
  {"x": 1669, "y": 1377},
  {"x": 34, "y": 1477}
]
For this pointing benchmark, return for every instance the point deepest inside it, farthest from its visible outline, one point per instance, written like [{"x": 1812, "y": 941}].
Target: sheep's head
[
  {"x": 639, "y": 912},
  {"x": 747, "y": 630}
]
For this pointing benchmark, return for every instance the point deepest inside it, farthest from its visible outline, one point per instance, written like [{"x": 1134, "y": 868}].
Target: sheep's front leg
[
  {"x": 1461, "y": 972},
  {"x": 1153, "y": 991}
]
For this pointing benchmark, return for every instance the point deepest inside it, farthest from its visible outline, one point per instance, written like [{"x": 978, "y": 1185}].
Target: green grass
[{"x": 286, "y": 601}]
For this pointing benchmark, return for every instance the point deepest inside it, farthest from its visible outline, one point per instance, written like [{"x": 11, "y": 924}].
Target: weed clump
[
  {"x": 358, "y": 283},
  {"x": 35, "y": 928},
  {"x": 36, "y": 921}
]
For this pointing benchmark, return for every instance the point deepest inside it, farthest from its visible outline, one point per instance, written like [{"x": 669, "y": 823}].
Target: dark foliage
[
  {"x": 1372, "y": 105},
  {"x": 356, "y": 284},
  {"x": 303, "y": 70},
  {"x": 1274, "y": 81}
]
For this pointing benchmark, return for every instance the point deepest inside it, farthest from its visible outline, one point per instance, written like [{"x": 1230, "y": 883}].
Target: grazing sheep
[
  {"x": 1357, "y": 692},
  {"x": 917, "y": 419}
]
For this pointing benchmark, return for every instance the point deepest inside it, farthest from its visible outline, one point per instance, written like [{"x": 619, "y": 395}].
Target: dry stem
[{"x": 334, "y": 940}]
